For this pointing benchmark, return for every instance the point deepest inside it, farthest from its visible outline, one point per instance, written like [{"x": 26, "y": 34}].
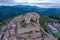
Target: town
[{"x": 27, "y": 27}]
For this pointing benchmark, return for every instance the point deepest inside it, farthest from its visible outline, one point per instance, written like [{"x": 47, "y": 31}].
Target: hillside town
[{"x": 25, "y": 27}]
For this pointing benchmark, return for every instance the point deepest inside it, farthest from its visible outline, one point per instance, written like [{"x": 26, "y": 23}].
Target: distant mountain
[{"x": 12, "y": 11}]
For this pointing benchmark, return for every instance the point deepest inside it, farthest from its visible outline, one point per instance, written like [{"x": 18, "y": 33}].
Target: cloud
[
  {"x": 5, "y": 1},
  {"x": 39, "y": 3}
]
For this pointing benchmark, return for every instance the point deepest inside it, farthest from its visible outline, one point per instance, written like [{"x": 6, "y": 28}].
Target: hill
[{"x": 12, "y": 11}]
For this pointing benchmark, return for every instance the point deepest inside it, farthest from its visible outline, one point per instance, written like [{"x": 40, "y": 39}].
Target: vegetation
[
  {"x": 23, "y": 23},
  {"x": 5, "y": 22},
  {"x": 42, "y": 23},
  {"x": 37, "y": 31},
  {"x": 44, "y": 19},
  {"x": 47, "y": 19},
  {"x": 55, "y": 17},
  {"x": 32, "y": 20},
  {"x": 30, "y": 32},
  {"x": 23, "y": 20},
  {"x": 2, "y": 24}
]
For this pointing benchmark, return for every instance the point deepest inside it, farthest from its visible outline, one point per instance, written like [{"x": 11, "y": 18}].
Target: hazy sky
[{"x": 40, "y": 3}]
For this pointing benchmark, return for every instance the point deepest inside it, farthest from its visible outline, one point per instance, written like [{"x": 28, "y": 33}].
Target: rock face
[{"x": 23, "y": 27}]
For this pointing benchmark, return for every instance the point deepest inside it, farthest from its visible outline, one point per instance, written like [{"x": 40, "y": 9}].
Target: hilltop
[{"x": 25, "y": 27}]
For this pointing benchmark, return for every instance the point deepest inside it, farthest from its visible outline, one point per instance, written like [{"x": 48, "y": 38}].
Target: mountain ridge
[{"x": 12, "y": 11}]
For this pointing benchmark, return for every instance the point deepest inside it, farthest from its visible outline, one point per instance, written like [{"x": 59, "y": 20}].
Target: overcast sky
[{"x": 39, "y": 3}]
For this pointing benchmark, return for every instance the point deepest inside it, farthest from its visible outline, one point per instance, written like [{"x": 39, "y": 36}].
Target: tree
[
  {"x": 23, "y": 23},
  {"x": 42, "y": 23}
]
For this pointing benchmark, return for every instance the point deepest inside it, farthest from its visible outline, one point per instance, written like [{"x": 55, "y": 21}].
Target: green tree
[
  {"x": 32, "y": 20},
  {"x": 23, "y": 23},
  {"x": 42, "y": 23}
]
